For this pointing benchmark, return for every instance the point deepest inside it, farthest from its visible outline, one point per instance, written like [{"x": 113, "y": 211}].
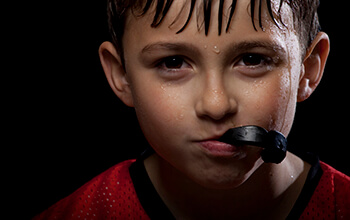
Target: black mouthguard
[{"x": 273, "y": 142}]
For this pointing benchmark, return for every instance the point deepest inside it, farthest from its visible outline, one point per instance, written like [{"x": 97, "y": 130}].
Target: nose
[{"x": 215, "y": 101}]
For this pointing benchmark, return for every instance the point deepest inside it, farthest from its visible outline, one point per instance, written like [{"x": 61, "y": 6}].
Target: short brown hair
[{"x": 305, "y": 16}]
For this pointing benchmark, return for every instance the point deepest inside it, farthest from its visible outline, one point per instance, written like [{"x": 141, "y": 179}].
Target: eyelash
[
  {"x": 180, "y": 68},
  {"x": 265, "y": 65},
  {"x": 264, "y": 60},
  {"x": 166, "y": 62}
]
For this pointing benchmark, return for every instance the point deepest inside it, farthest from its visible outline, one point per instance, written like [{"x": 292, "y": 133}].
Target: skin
[{"x": 208, "y": 85}]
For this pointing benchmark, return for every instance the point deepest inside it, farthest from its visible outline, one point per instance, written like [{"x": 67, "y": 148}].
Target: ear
[
  {"x": 115, "y": 73},
  {"x": 314, "y": 64}
]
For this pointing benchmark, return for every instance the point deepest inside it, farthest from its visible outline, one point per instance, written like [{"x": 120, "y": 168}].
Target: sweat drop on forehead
[{"x": 273, "y": 142}]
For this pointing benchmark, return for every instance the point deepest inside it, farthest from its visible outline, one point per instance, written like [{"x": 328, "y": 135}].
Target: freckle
[{"x": 216, "y": 49}]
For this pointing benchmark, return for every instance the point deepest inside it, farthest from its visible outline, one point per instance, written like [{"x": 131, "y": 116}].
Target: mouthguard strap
[{"x": 273, "y": 142}]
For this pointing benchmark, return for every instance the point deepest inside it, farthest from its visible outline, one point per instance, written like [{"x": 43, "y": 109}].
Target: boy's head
[{"x": 194, "y": 69}]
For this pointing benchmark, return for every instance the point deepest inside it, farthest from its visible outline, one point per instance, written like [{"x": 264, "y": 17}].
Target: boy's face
[{"x": 188, "y": 89}]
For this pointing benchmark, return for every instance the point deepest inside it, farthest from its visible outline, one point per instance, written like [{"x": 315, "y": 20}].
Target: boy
[{"x": 193, "y": 70}]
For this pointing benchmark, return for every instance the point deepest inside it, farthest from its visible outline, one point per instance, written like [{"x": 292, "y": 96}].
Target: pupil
[
  {"x": 252, "y": 60},
  {"x": 173, "y": 62}
]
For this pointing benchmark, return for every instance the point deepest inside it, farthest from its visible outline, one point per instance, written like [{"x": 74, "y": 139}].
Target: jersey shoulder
[
  {"x": 331, "y": 198},
  {"x": 110, "y": 195}
]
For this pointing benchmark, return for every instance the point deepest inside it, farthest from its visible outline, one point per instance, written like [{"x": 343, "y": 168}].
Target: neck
[{"x": 269, "y": 193}]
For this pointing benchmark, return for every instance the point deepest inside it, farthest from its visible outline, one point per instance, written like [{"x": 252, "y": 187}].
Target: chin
[
  {"x": 224, "y": 184},
  {"x": 227, "y": 177}
]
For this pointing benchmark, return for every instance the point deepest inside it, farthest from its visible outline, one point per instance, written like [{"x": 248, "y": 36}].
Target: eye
[
  {"x": 173, "y": 62},
  {"x": 252, "y": 60},
  {"x": 174, "y": 68},
  {"x": 254, "y": 64}
]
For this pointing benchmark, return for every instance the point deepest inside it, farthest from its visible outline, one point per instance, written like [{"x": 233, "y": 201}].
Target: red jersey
[
  {"x": 114, "y": 194},
  {"x": 331, "y": 198}
]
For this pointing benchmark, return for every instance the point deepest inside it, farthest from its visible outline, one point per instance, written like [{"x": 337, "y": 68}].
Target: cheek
[
  {"x": 161, "y": 112},
  {"x": 271, "y": 102},
  {"x": 283, "y": 105}
]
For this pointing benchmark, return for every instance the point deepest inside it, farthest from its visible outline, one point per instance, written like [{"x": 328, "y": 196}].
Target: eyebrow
[
  {"x": 169, "y": 46},
  {"x": 235, "y": 47},
  {"x": 249, "y": 45}
]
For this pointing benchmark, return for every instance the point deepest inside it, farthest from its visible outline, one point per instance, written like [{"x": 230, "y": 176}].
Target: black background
[{"x": 64, "y": 125}]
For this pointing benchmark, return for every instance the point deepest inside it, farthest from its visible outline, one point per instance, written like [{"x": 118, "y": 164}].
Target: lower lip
[{"x": 219, "y": 149}]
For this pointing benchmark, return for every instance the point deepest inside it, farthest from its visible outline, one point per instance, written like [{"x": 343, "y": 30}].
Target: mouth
[
  {"x": 274, "y": 144},
  {"x": 216, "y": 148}
]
